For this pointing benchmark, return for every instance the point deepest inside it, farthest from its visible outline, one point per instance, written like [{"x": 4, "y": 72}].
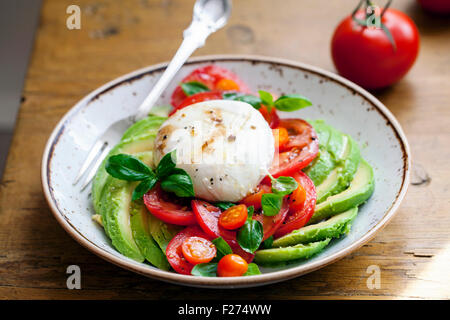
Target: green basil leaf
[
  {"x": 143, "y": 188},
  {"x": 252, "y": 270},
  {"x": 266, "y": 98},
  {"x": 223, "y": 248},
  {"x": 284, "y": 185},
  {"x": 179, "y": 183},
  {"x": 267, "y": 244},
  {"x": 230, "y": 95},
  {"x": 205, "y": 269},
  {"x": 292, "y": 102},
  {"x": 166, "y": 164},
  {"x": 250, "y": 211},
  {"x": 254, "y": 101},
  {"x": 250, "y": 235},
  {"x": 271, "y": 203},
  {"x": 126, "y": 167},
  {"x": 193, "y": 87},
  {"x": 224, "y": 205}
]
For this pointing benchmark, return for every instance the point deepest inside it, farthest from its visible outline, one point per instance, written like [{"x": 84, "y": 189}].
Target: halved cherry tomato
[
  {"x": 254, "y": 199},
  {"x": 227, "y": 85},
  {"x": 281, "y": 137},
  {"x": 271, "y": 117},
  {"x": 297, "y": 198},
  {"x": 210, "y": 76},
  {"x": 198, "y": 97},
  {"x": 167, "y": 208},
  {"x": 198, "y": 250},
  {"x": 231, "y": 265},
  {"x": 174, "y": 251},
  {"x": 301, "y": 149},
  {"x": 207, "y": 217},
  {"x": 271, "y": 224},
  {"x": 298, "y": 216},
  {"x": 234, "y": 217}
]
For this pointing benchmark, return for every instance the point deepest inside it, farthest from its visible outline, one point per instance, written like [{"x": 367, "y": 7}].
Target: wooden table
[{"x": 116, "y": 37}]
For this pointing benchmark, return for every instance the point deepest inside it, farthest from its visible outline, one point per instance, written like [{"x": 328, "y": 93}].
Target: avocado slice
[
  {"x": 162, "y": 232},
  {"x": 339, "y": 178},
  {"x": 140, "y": 230},
  {"x": 321, "y": 166},
  {"x": 361, "y": 188},
  {"x": 299, "y": 251},
  {"x": 331, "y": 228},
  {"x": 143, "y": 127}
]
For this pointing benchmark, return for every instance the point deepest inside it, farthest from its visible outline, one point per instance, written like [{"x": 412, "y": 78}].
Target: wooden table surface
[{"x": 116, "y": 37}]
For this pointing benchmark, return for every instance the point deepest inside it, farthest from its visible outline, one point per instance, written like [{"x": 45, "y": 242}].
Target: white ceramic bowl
[{"x": 341, "y": 103}]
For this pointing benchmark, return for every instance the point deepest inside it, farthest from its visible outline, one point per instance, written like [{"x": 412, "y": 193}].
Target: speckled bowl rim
[{"x": 234, "y": 282}]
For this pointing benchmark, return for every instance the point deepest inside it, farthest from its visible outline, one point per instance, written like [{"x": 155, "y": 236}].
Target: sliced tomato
[
  {"x": 174, "y": 251},
  {"x": 198, "y": 97},
  {"x": 271, "y": 224},
  {"x": 168, "y": 208},
  {"x": 254, "y": 199},
  {"x": 207, "y": 217},
  {"x": 271, "y": 117},
  {"x": 298, "y": 216},
  {"x": 299, "y": 151},
  {"x": 210, "y": 76}
]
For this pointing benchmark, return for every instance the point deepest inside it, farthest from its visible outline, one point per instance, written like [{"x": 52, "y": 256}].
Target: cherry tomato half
[
  {"x": 234, "y": 217},
  {"x": 198, "y": 250},
  {"x": 367, "y": 57},
  {"x": 231, "y": 265},
  {"x": 299, "y": 215},
  {"x": 174, "y": 251},
  {"x": 168, "y": 208},
  {"x": 254, "y": 199}
]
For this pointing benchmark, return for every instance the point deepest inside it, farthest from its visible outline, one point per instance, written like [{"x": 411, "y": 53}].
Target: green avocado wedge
[
  {"x": 360, "y": 189},
  {"x": 141, "y": 234},
  {"x": 341, "y": 176},
  {"x": 299, "y": 251},
  {"x": 321, "y": 166},
  {"x": 331, "y": 228}
]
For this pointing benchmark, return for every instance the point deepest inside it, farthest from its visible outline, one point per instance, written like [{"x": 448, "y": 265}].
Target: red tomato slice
[
  {"x": 271, "y": 224},
  {"x": 174, "y": 250},
  {"x": 209, "y": 76},
  {"x": 299, "y": 151},
  {"x": 298, "y": 218},
  {"x": 208, "y": 219},
  {"x": 168, "y": 209},
  {"x": 271, "y": 117},
  {"x": 198, "y": 97},
  {"x": 254, "y": 199}
]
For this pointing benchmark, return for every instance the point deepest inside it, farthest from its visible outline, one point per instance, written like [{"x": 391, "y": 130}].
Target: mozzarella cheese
[{"x": 225, "y": 146}]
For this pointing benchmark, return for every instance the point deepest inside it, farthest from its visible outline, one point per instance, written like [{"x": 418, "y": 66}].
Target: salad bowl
[{"x": 336, "y": 100}]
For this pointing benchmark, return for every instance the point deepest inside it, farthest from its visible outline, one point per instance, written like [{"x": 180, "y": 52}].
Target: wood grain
[{"x": 413, "y": 251}]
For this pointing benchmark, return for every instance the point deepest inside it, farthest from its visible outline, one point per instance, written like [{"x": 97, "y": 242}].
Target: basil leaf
[
  {"x": 271, "y": 203},
  {"x": 252, "y": 270},
  {"x": 179, "y": 183},
  {"x": 254, "y": 101},
  {"x": 266, "y": 98},
  {"x": 126, "y": 167},
  {"x": 292, "y": 102},
  {"x": 223, "y": 248},
  {"x": 224, "y": 205},
  {"x": 250, "y": 235},
  {"x": 205, "y": 269},
  {"x": 267, "y": 244},
  {"x": 250, "y": 211},
  {"x": 143, "y": 188},
  {"x": 284, "y": 185},
  {"x": 193, "y": 87},
  {"x": 166, "y": 164},
  {"x": 230, "y": 95}
]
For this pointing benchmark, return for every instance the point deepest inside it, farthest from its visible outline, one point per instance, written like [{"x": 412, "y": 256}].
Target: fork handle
[{"x": 193, "y": 38}]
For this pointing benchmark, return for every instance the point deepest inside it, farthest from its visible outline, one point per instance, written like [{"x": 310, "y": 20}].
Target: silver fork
[{"x": 209, "y": 16}]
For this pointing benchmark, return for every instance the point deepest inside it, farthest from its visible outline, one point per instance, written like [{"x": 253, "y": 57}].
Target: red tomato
[
  {"x": 271, "y": 224},
  {"x": 367, "y": 57},
  {"x": 207, "y": 217},
  {"x": 271, "y": 117},
  {"x": 231, "y": 265},
  {"x": 254, "y": 199},
  {"x": 167, "y": 208},
  {"x": 198, "y": 97},
  {"x": 174, "y": 251},
  {"x": 210, "y": 76},
  {"x": 441, "y": 7},
  {"x": 299, "y": 151},
  {"x": 298, "y": 216},
  {"x": 198, "y": 250},
  {"x": 234, "y": 217},
  {"x": 281, "y": 136}
]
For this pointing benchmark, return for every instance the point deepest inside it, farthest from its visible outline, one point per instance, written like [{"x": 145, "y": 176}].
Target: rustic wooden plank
[{"x": 413, "y": 251}]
